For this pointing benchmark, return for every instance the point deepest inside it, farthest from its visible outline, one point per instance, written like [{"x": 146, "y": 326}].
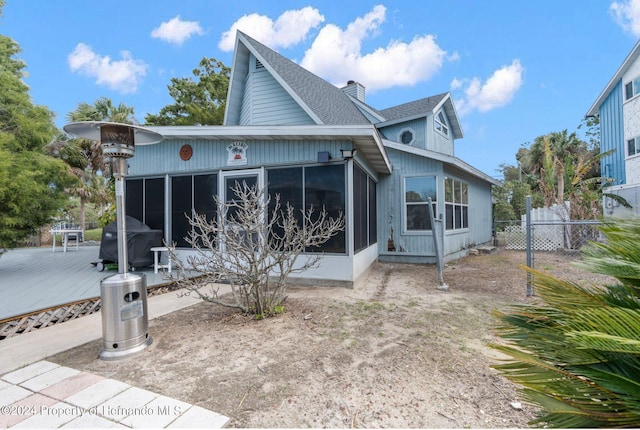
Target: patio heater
[{"x": 125, "y": 323}]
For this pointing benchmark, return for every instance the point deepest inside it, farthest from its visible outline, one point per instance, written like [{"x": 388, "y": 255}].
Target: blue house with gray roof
[{"x": 318, "y": 145}]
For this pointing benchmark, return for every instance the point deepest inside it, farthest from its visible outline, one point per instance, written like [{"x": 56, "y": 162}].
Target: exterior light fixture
[{"x": 348, "y": 153}]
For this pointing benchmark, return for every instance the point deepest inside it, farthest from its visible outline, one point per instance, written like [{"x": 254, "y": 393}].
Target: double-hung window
[
  {"x": 456, "y": 204},
  {"x": 417, "y": 190}
]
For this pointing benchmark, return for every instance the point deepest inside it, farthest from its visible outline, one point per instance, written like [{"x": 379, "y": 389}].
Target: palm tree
[
  {"x": 562, "y": 145},
  {"x": 84, "y": 157},
  {"x": 576, "y": 354},
  {"x": 103, "y": 109}
]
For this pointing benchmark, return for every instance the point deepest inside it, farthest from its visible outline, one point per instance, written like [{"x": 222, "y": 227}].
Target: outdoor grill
[
  {"x": 140, "y": 239},
  {"x": 125, "y": 322}
]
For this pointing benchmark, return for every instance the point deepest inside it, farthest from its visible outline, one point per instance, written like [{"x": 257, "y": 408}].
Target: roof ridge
[{"x": 435, "y": 96}]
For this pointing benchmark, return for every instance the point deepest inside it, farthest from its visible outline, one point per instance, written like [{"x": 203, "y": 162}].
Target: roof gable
[
  {"x": 626, "y": 64},
  {"x": 424, "y": 107},
  {"x": 323, "y": 102}
]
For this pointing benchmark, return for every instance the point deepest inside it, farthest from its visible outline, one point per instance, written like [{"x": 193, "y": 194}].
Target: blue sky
[{"x": 516, "y": 69}]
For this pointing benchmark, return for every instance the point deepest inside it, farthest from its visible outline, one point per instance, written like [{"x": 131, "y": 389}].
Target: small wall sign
[
  {"x": 237, "y": 154},
  {"x": 186, "y": 152}
]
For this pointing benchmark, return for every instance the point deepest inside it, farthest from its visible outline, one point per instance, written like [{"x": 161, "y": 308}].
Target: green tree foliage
[
  {"x": 199, "y": 102},
  {"x": 31, "y": 193},
  {"x": 84, "y": 157},
  {"x": 103, "y": 109},
  {"x": 576, "y": 354},
  {"x": 31, "y": 183},
  {"x": 510, "y": 200},
  {"x": 556, "y": 168}
]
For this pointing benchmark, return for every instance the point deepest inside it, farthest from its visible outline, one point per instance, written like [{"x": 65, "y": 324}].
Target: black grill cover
[{"x": 140, "y": 240}]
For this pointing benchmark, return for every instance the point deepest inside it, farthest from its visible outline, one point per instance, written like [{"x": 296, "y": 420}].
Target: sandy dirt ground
[{"x": 392, "y": 352}]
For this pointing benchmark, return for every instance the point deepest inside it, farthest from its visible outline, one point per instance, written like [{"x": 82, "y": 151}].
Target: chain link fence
[
  {"x": 553, "y": 236},
  {"x": 564, "y": 237}
]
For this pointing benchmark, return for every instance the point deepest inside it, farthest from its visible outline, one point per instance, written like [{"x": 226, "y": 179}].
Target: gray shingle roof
[
  {"x": 417, "y": 107},
  {"x": 330, "y": 104}
]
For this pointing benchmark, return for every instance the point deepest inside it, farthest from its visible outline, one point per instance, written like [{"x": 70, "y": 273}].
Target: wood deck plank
[{"x": 36, "y": 278}]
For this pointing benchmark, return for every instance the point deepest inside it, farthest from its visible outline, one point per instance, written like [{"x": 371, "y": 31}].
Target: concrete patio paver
[
  {"x": 12, "y": 394},
  {"x": 102, "y": 402},
  {"x": 168, "y": 407},
  {"x": 71, "y": 386},
  {"x": 49, "y": 378}
]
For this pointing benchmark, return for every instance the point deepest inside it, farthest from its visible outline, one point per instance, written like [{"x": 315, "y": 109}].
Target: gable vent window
[
  {"x": 440, "y": 123},
  {"x": 259, "y": 64},
  {"x": 407, "y": 136}
]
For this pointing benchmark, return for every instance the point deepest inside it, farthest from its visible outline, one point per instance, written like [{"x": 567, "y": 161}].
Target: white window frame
[
  {"x": 635, "y": 88},
  {"x": 405, "y": 204},
  {"x": 441, "y": 125},
  {"x": 456, "y": 191}
]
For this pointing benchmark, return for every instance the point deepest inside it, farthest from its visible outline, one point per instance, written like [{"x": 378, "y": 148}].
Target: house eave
[
  {"x": 364, "y": 137},
  {"x": 447, "y": 159},
  {"x": 595, "y": 108},
  {"x": 400, "y": 120}
]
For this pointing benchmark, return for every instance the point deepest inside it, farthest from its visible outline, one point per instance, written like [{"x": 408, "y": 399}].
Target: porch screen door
[{"x": 235, "y": 179}]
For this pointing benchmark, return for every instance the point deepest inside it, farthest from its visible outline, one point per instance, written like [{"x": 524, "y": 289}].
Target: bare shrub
[{"x": 252, "y": 253}]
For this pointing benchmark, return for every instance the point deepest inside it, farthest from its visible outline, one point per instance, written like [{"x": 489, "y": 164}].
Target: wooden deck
[{"x": 36, "y": 278}]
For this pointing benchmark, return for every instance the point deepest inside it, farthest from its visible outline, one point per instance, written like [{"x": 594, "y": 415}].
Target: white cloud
[
  {"x": 289, "y": 29},
  {"x": 337, "y": 56},
  {"x": 456, "y": 83},
  {"x": 627, "y": 14},
  {"x": 176, "y": 31},
  {"x": 336, "y": 53},
  {"x": 123, "y": 75},
  {"x": 497, "y": 91}
]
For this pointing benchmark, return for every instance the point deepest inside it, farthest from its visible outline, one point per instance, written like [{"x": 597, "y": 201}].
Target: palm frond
[
  {"x": 619, "y": 199},
  {"x": 607, "y": 320},
  {"x": 562, "y": 294},
  {"x": 577, "y": 354}
]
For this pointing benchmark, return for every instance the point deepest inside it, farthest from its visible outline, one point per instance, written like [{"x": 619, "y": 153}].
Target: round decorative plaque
[{"x": 186, "y": 152}]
